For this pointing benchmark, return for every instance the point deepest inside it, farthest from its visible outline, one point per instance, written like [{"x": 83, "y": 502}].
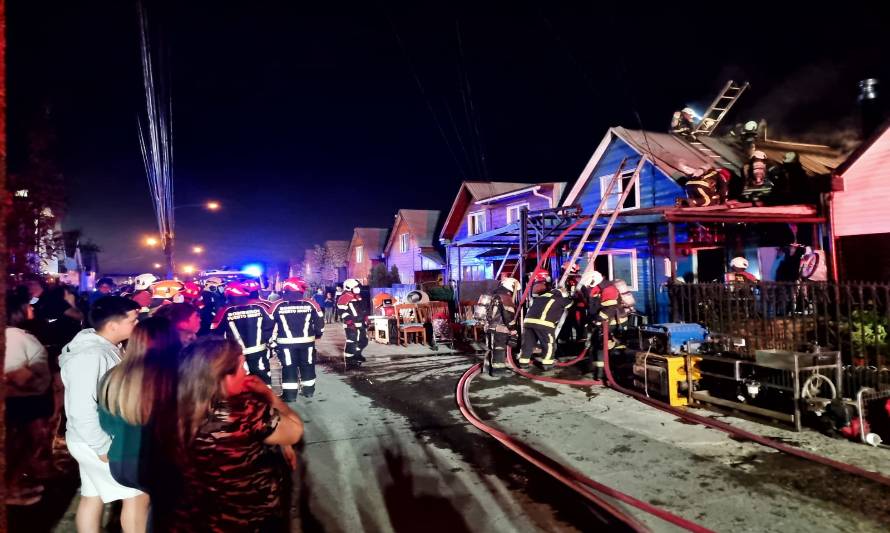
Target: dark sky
[{"x": 306, "y": 123}]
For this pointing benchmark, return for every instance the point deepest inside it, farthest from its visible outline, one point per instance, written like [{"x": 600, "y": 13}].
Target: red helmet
[
  {"x": 251, "y": 285},
  {"x": 235, "y": 288},
  {"x": 294, "y": 285},
  {"x": 541, "y": 276},
  {"x": 190, "y": 290}
]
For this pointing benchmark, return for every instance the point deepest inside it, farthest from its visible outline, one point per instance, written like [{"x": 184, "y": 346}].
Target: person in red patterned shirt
[{"x": 233, "y": 431}]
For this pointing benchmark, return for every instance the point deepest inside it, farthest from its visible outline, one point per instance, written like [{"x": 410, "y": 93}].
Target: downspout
[{"x": 544, "y": 196}]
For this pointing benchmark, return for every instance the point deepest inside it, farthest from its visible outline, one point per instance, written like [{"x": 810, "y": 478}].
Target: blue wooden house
[
  {"x": 654, "y": 240},
  {"x": 484, "y": 206}
]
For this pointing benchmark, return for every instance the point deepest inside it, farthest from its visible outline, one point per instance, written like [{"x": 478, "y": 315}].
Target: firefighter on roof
[
  {"x": 298, "y": 323},
  {"x": 539, "y": 326},
  {"x": 353, "y": 311},
  {"x": 682, "y": 123},
  {"x": 501, "y": 323},
  {"x": 250, "y": 325}
]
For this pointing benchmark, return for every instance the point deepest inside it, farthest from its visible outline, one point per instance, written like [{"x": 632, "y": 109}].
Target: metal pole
[
  {"x": 672, "y": 252},
  {"x": 523, "y": 245},
  {"x": 460, "y": 273},
  {"x": 168, "y": 254}
]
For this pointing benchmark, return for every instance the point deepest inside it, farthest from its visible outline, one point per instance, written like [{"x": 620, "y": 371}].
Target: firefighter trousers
[
  {"x": 297, "y": 370},
  {"x": 497, "y": 354},
  {"x": 535, "y": 336},
  {"x": 356, "y": 341},
  {"x": 258, "y": 365}
]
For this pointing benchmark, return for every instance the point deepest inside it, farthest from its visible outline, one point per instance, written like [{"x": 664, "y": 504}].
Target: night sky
[{"x": 305, "y": 124}]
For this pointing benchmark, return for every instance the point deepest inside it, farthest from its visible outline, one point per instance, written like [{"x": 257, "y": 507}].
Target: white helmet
[
  {"x": 352, "y": 285},
  {"x": 688, "y": 111},
  {"x": 591, "y": 278},
  {"x": 144, "y": 281},
  {"x": 511, "y": 284},
  {"x": 758, "y": 155},
  {"x": 739, "y": 262}
]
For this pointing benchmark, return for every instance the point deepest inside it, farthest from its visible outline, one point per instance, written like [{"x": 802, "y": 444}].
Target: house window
[
  {"x": 618, "y": 264},
  {"x": 473, "y": 273},
  {"x": 513, "y": 212},
  {"x": 359, "y": 254},
  {"x": 476, "y": 223},
  {"x": 633, "y": 197},
  {"x": 403, "y": 243}
]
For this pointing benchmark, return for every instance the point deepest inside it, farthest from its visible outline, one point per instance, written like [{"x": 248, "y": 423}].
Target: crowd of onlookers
[{"x": 156, "y": 414}]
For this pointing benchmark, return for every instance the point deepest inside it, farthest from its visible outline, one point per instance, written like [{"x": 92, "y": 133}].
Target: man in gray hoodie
[{"x": 83, "y": 362}]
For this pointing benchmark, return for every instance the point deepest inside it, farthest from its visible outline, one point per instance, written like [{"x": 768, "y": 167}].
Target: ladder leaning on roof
[
  {"x": 634, "y": 181},
  {"x": 719, "y": 108}
]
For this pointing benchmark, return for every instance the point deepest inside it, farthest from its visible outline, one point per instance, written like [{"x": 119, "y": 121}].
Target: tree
[
  {"x": 379, "y": 277},
  {"x": 394, "y": 277},
  {"x": 334, "y": 258}
]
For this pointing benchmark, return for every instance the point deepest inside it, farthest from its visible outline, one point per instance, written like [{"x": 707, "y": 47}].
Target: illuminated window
[
  {"x": 403, "y": 243},
  {"x": 633, "y": 198},
  {"x": 513, "y": 212},
  {"x": 476, "y": 223},
  {"x": 22, "y": 193},
  {"x": 359, "y": 254},
  {"x": 618, "y": 264}
]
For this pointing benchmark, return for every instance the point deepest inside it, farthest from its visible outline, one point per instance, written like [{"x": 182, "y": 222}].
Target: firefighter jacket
[
  {"x": 297, "y": 322},
  {"x": 706, "y": 189},
  {"x": 502, "y": 311},
  {"x": 547, "y": 309},
  {"x": 605, "y": 305},
  {"x": 249, "y": 325},
  {"x": 353, "y": 309},
  {"x": 680, "y": 125}
]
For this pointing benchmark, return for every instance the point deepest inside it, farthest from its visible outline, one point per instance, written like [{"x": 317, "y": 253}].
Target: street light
[
  {"x": 157, "y": 265},
  {"x": 197, "y": 249},
  {"x": 188, "y": 269},
  {"x": 151, "y": 241},
  {"x": 212, "y": 205}
]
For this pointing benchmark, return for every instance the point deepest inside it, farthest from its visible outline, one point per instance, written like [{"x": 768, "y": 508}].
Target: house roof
[
  {"x": 671, "y": 153},
  {"x": 421, "y": 224},
  {"x": 478, "y": 191},
  {"x": 373, "y": 239}
]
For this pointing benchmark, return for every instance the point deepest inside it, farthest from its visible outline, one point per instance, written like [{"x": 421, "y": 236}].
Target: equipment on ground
[
  {"x": 671, "y": 338},
  {"x": 417, "y": 297}
]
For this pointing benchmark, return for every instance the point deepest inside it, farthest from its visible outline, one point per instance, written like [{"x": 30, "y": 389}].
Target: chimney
[{"x": 871, "y": 107}]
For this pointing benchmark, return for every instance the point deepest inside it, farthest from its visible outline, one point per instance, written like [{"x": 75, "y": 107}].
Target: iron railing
[{"x": 853, "y": 318}]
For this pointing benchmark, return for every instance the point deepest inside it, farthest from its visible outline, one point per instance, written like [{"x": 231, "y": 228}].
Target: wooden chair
[
  {"x": 409, "y": 321},
  {"x": 470, "y": 325}
]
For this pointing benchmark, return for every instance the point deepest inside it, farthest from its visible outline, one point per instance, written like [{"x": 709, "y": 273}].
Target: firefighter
[
  {"x": 250, "y": 325},
  {"x": 682, "y": 123},
  {"x": 604, "y": 307},
  {"x": 738, "y": 272},
  {"x": 706, "y": 186},
  {"x": 756, "y": 172},
  {"x": 163, "y": 292},
  {"x": 500, "y": 324},
  {"x": 298, "y": 323},
  {"x": 213, "y": 300},
  {"x": 539, "y": 326},
  {"x": 353, "y": 311}
]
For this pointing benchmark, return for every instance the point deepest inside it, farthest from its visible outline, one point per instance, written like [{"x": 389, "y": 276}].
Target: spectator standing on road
[
  {"x": 29, "y": 404},
  {"x": 83, "y": 362},
  {"x": 104, "y": 287},
  {"x": 137, "y": 407},
  {"x": 319, "y": 298},
  {"x": 328, "y": 308},
  {"x": 337, "y": 294},
  {"x": 233, "y": 479}
]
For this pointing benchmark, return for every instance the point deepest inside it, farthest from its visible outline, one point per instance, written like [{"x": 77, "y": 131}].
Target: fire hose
[{"x": 577, "y": 481}]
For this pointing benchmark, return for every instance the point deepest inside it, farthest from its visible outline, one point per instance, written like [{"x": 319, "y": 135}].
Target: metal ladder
[
  {"x": 719, "y": 108},
  {"x": 634, "y": 181}
]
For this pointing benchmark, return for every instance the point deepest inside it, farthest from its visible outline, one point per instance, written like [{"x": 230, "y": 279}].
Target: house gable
[{"x": 861, "y": 208}]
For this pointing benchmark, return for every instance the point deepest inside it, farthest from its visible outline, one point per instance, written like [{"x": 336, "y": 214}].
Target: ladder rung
[{"x": 720, "y": 109}]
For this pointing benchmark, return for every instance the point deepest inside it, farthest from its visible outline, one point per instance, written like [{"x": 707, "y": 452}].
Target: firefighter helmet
[
  {"x": 213, "y": 283},
  {"x": 294, "y": 285},
  {"x": 758, "y": 155},
  {"x": 353, "y": 285},
  {"x": 191, "y": 290},
  {"x": 688, "y": 111},
  {"x": 739, "y": 262},
  {"x": 541, "y": 276},
  {"x": 251, "y": 285},
  {"x": 236, "y": 288},
  {"x": 511, "y": 284},
  {"x": 751, "y": 126},
  {"x": 591, "y": 278},
  {"x": 166, "y": 289},
  {"x": 572, "y": 271},
  {"x": 144, "y": 281}
]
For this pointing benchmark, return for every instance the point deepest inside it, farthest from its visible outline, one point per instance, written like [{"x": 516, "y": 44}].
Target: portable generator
[
  {"x": 672, "y": 337},
  {"x": 665, "y": 375}
]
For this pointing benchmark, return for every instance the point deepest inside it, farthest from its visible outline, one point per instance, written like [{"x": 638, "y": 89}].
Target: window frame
[
  {"x": 632, "y": 285},
  {"x": 480, "y": 216},
  {"x": 518, "y": 207},
  {"x": 626, "y": 174},
  {"x": 359, "y": 254},
  {"x": 404, "y": 242}
]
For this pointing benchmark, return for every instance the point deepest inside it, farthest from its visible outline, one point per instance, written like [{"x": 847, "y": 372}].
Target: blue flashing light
[{"x": 253, "y": 270}]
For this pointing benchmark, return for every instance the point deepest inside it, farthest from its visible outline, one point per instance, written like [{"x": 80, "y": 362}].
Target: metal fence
[{"x": 850, "y": 317}]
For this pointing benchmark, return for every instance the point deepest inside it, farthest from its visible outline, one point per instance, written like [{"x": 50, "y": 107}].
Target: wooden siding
[
  {"x": 406, "y": 261},
  {"x": 861, "y": 209},
  {"x": 656, "y": 188}
]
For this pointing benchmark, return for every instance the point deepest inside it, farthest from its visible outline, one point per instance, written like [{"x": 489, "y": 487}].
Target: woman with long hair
[
  {"x": 137, "y": 407},
  {"x": 229, "y": 423}
]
